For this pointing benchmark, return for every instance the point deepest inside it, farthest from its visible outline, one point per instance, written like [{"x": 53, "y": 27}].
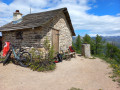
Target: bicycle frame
[
  {"x": 20, "y": 56},
  {"x": 15, "y": 55}
]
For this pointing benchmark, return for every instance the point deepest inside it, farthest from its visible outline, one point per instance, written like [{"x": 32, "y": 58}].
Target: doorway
[{"x": 55, "y": 40}]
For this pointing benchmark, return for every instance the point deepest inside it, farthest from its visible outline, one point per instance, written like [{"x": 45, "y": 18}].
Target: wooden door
[{"x": 55, "y": 40}]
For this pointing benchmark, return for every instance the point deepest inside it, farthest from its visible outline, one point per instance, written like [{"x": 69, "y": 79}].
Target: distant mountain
[{"x": 111, "y": 39}]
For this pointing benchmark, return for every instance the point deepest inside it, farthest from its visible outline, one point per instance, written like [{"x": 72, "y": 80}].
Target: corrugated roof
[{"x": 36, "y": 20}]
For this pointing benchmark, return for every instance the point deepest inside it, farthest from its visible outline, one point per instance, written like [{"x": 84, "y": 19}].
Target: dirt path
[{"x": 86, "y": 74}]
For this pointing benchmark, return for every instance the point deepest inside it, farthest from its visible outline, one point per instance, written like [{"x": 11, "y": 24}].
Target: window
[{"x": 19, "y": 35}]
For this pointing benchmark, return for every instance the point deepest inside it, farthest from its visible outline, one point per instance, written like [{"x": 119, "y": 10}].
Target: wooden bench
[{"x": 72, "y": 54}]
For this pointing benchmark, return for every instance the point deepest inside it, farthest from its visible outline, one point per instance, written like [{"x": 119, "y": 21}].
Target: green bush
[
  {"x": 113, "y": 52},
  {"x": 49, "y": 48},
  {"x": 35, "y": 55},
  {"x": 45, "y": 65},
  {"x": 51, "y": 53},
  {"x": 47, "y": 44},
  {"x": 73, "y": 88}
]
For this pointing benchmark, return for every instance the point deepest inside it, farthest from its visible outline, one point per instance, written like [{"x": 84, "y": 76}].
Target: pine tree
[
  {"x": 92, "y": 46},
  {"x": 78, "y": 44},
  {"x": 99, "y": 44},
  {"x": 112, "y": 51},
  {"x": 73, "y": 45},
  {"x": 87, "y": 39}
]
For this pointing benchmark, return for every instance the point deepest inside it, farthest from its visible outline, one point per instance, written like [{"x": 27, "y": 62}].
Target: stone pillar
[{"x": 86, "y": 50}]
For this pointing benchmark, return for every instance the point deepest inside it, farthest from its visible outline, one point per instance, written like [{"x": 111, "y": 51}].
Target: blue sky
[
  {"x": 105, "y": 7},
  {"x": 88, "y": 16}
]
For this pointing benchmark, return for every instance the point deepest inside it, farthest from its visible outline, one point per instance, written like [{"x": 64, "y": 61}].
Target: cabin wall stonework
[
  {"x": 65, "y": 35},
  {"x": 29, "y": 37}
]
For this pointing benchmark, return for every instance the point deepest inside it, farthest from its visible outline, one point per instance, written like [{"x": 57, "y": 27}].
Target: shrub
[
  {"x": 44, "y": 65},
  {"x": 37, "y": 54},
  {"x": 51, "y": 53},
  {"x": 46, "y": 44},
  {"x": 73, "y": 88}
]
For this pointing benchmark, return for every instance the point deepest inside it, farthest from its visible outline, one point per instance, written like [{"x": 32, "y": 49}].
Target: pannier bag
[{"x": 6, "y": 48}]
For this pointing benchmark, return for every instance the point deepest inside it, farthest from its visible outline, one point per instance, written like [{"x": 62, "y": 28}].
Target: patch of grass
[
  {"x": 1, "y": 59},
  {"x": 113, "y": 80},
  {"x": 92, "y": 58},
  {"x": 113, "y": 76},
  {"x": 73, "y": 88}
]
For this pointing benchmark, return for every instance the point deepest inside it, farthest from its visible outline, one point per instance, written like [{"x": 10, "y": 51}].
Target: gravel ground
[{"x": 79, "y": 72}]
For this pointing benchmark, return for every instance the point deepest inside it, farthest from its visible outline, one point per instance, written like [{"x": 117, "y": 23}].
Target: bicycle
[{"x": 23, "y": 58}]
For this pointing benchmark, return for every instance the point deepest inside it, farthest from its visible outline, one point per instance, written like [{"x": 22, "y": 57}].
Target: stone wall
[
  {"x": 29, "y": 35},
  {"x": 65, "y": 35}
]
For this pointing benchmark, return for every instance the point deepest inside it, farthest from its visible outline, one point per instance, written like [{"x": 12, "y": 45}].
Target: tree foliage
[
  {"x": 46, "y": 44},
  {"x": 99, "y": 44},
  {"x": 49, "y": 48},
  {"x": 78, "y": 44},
  {"x": 112, "y": 51},
  {"x": 87, "y": 39},
  {"x": 73, "y": 45},
  {"x": 92, "y": 46}
]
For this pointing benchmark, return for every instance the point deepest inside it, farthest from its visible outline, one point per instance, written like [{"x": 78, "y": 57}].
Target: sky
[{"x": 88, "y": 16}]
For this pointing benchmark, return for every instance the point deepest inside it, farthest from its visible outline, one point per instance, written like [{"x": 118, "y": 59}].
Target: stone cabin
[{"x": 31, "y": 30}]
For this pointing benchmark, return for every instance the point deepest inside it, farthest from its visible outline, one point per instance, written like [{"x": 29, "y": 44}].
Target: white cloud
[
  {"x": 77, "y": 9},
  {"x": 118, "y": 14}
]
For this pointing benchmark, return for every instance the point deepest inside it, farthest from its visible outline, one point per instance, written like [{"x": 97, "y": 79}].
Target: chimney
[{"x": 17, "y": 15}]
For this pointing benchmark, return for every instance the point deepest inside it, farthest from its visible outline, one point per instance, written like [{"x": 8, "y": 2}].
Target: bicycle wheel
[
  {"x": 25, "y": 59},
  {"x": 7, "y": 57}
]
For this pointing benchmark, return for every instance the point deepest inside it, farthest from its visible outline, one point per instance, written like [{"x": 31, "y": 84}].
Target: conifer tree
[
  {"x": 78, "y": 44},
  {"x": 112, "y": 51},
  {"x": 87, "y": 39},
  {"x": 99, "y": 44},
  {"x": 92, "y": 46},
  {"x": 73, "y": 45}
]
